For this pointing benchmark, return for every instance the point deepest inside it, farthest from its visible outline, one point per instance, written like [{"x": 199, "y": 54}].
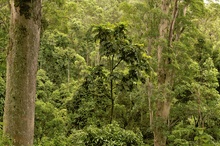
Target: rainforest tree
[
  {"x": 117, "y": 72},
  {"x": 22, "y": 56}
]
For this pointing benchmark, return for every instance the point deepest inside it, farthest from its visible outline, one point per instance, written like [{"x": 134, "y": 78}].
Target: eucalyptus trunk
[
  {"x": 22, "y": 56},
  {"x": 164, "y": 72}
]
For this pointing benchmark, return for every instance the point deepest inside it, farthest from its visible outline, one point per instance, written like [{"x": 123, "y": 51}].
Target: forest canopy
[{"x": 123, "y": 72}]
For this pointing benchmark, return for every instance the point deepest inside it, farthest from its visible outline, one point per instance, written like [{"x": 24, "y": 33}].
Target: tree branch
[
  {"x": 175, "y": 13},
  {"x": 117, "y": 64}
]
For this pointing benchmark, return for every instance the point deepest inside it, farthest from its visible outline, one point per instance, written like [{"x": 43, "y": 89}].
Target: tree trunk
[
  {"x": 149, "y": 93},
  {"x": 164, "y": 75},
  {"x": 21, "y": 71},
  {"x": 162, "y": 114},
  {"x": 111, "y": 89}
]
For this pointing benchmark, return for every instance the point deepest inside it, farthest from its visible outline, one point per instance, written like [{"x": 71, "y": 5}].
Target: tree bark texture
[
  {"x": 22, "y": 58},
  {"x": 165, "y": 75}
]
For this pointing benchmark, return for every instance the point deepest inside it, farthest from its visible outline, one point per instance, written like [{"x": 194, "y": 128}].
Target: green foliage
[
  {"x": 44, "y": 86},
  {"x": 4, "y": 25},
  {"x": 109, "y": 135},
  {"x": 4, "y": 140},
  {"x": 60, "y": 62},
  {"x": 89, "y": 72},
  {"x": 91, "y": 100},
  {"x": 94, "y": 101},
  {"x": 116, "y": 45},
  {"x": 190, "y": 135},
  {"x": 2, "y": 95},
  {"x": 49, "y": 117}
]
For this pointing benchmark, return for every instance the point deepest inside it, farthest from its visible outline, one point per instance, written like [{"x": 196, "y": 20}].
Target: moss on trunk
[{"x": 21, "y": 72}]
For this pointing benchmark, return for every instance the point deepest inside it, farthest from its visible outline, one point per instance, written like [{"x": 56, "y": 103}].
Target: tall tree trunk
[
  {"x": 21, "y": 71},
  {"x": 165, "y": 75},
  {"x": 162, "y": 114}
]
